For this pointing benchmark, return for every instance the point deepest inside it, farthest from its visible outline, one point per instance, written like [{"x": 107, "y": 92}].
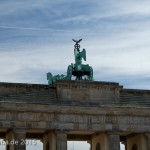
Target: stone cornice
[
  {"x": 24, "y": 85},
  {"x": 74, "y": 110},
  {"x": 88, "y": 85},
  {"x": 136, "y": 91}
]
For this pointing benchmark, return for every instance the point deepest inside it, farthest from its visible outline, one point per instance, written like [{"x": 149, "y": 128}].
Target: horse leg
[
  {"x": 90, "y": 76},
  {"x": 69, "y": 72}
]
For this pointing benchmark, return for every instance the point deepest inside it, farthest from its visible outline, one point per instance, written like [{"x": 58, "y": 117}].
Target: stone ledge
[
  {"x": 26, "y": 85},
  {"x": 7, "y": 89},
  {"x": 88, "y": 91},
  {"x": 136, "y": 91},
  {"x": 87, "y": 84}
]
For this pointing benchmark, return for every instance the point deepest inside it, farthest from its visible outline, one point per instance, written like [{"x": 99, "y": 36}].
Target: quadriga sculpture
[{"x": 79, "y": 70}]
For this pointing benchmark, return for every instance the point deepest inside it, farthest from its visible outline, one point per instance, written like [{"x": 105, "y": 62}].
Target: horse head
[{"x": 50, "y": 78}]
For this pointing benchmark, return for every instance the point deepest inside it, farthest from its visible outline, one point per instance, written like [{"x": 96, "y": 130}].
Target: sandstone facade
[{"x": 103, "y": 113}]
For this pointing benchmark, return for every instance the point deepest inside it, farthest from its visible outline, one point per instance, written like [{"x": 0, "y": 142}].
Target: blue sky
[{"x": 36, "y": 38}]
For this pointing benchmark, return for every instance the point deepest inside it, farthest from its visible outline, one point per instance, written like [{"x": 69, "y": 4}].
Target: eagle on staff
[{"x": 79, "y": 55}]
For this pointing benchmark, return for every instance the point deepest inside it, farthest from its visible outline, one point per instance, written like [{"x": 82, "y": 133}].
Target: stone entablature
[{"x": 70, "y": 118}]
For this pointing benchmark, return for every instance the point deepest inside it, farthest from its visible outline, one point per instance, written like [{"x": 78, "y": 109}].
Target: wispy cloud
[{"x": 36, "y": 38}]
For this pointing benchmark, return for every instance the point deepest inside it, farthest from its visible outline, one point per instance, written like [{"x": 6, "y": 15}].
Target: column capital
[
  {"x": 17, "y": 130},
  {"x": 61, "y": 131},
  {"x": 113, "y": 133}
]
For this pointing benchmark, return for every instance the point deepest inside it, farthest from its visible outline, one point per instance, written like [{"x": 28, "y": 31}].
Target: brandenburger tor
[{"x": 102, "y": 113}]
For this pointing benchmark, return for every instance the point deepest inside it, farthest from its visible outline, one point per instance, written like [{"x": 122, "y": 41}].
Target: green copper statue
[
  {"x": 79, "y": 70},
  {"x": 79, "y": 55}
]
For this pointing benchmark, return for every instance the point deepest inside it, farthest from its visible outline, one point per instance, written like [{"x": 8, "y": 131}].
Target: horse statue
[{"x": 52, "y": 79}]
